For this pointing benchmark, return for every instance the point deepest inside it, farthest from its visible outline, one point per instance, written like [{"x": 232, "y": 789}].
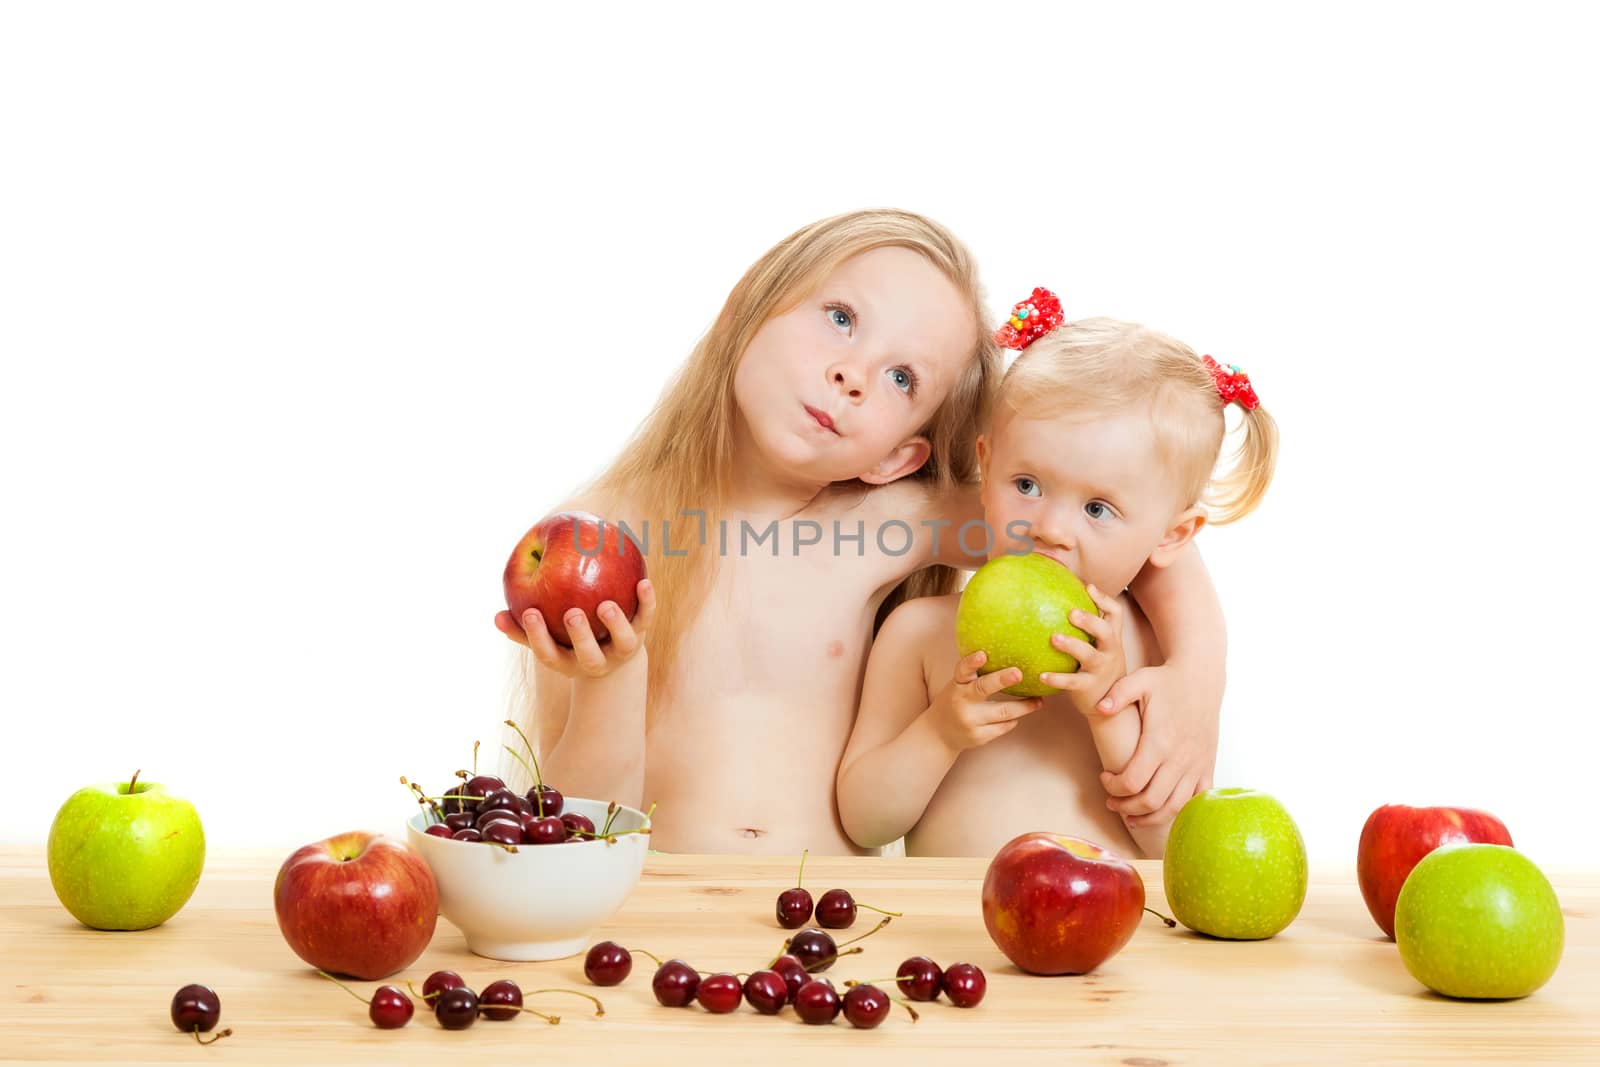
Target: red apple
[
  {"x": 573, "y": 560},
  {"x": 356, "y": 903},
  {"x": 1397, "y": 836},
  {"x": 1060, "y": 905}
]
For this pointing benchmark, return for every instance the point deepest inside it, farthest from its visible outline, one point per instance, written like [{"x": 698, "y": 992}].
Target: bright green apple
[
  {"x": 125, "y": 855},
  {"x": 1235, "y": 865},
  {"x": 1010, "y": 608},
  {"x": 1479, "y": 921}
]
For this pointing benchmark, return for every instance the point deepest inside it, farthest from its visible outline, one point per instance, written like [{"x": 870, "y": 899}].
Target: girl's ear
[
  {"x": 906, "y": 459},
  {"x": 1182, "y": 533},
  {"x": 983, "y": 456}
]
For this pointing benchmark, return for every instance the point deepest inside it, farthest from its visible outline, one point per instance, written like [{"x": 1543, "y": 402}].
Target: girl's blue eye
[
  {"x": 841, "y": 318},
  {"x": 1028, "y": 487},
  {"x": 1098, "y": 509},
  {"x": 903, "y": 379}
]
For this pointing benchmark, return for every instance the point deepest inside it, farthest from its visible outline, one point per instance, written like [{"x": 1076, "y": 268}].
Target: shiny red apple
[
  {"x": 1396, "y": 836},
  {"x": 357, "y": 903},
  {"x": 1060, "y": 905},
  {"x": 573, "y": 560}
]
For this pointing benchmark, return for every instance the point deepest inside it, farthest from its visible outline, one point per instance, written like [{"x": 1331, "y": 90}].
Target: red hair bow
[
  {"x": 1233, "y": 384},
  {"x": 1030, "y": 320}
]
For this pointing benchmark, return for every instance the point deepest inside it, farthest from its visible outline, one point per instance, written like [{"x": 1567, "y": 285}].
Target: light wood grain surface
[{"x": 1330, "y": 989}]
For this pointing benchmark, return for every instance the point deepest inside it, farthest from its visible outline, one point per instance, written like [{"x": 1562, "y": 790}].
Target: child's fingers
[
  {"x": 1132, "y": 779},
  {"x": 1153, "y": 797},
  {"x": 1174, "y": 804},
  {"x": 585, "y": 649},
  {"x": 1012, "y": 710},
  {"x": 990, "y": 684},
  {"x": 1081, "y": 651},
  {"x": 967, "y": 669},
  {"x": 647, "y": 608},
  {"x": 545, "y": 649},
  {"x": 1097, "y": 627},
  {"x": 508, "y": 626},
  {"x": 1064, "y": 681},
  {"x": 624, "y": 639},
  {"x": 1110, "y": 607}
]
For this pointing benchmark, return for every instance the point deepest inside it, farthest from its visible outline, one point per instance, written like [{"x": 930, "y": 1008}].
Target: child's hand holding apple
[{"x": 964, "y": 714}]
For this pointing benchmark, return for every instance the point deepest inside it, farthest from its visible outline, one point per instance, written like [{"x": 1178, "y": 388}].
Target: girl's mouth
[{"x": 822, "y": 418}]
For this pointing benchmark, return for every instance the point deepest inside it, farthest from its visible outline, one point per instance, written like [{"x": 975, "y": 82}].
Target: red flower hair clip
[
  {"x": 1030, "y": 320},
  {"x": 1233, "y": 384}
]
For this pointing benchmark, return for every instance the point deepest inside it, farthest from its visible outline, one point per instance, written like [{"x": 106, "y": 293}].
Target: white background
[{"x": 307, "y": 311}]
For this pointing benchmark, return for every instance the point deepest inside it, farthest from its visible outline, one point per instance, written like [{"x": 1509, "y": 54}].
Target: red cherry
[
  {"x": 719, "y": 993},
  {"x": 964, "y": 984}
]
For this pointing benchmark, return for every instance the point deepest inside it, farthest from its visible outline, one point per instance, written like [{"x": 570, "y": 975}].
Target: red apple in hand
[
  {"x": 1397, "y": 836},
  {"x": 357, "y": 903},
  {"x": 573, "y": 560},
  {"x": 1060, "y": 905}
]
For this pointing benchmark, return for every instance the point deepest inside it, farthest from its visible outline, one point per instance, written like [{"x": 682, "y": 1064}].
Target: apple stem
[
  {"x": 880, "y": 911},
  {"x": 1169, "y": 921},
  {"x": 646, "y": 952},
  {"x": 135, "y": 778},
  {"x": 538, "y": 778},
  {"x": 800, "y": 878},
  {"x": 599, "y": 1008},
  {"x": 344, "y": 987},
  {"x": 218, "y": 1036}
]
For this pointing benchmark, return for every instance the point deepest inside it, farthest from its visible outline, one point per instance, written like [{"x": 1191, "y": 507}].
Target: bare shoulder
[{"x": 925, "y": 623}]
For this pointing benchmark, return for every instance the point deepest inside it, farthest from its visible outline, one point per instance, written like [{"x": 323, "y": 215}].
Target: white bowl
[{"x": 542, "y": 901}]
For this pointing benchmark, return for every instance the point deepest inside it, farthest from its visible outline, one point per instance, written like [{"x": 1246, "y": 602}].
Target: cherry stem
[
  {"x": 424, "y": 997},
  {"x": 346, "y": 988},
  {"x": 885, "y": 921},
  {"x": 611, "y": 816},
  {"x": 537, "y": 792},
  {"x": 475, "y": 759},
  {"x": 218, "y": 1036},
  {"x": 800, "y": 878},
  {"x": 906, "y": 1004},
  {"x": 423, "y": 799},
  {"x": 647, "y": 952},
  {"x": 538, "y": 778},
  {"x": 135, "y": 778},
  {"x": 1169, "y": 921},
  {"x": 880, "y": 982},
  {"x": 551, "y": 1019},
  {"x": 880, "y": 911},
  {"x": 599, "y": 1008},
  {"x": 825, "y": 959}
]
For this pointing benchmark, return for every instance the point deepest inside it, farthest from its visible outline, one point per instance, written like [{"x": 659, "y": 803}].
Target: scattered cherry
[
  {"x": 767, "y": 991},
  {"x": 500, "y": 1000},
  {"x": 817, "y": 1002},
  {"x": 865, "y": 1006},
  {"x": 837, "y": 909},
  {"x": 607, "y": 963},
  {"x": 195, "y": 1010},
  {"x": 814, "y": 949},
  {"x": 719, "y": 993},
  {"x": 438, "y": 982},
  {"x": 389, "y": 1008},
  {"x": 794, "y": 905},
  {"x": 456, "y": 1008},
  {"x": 675, "y": 983},
  {"x": 964, "y": 984},
  {"x": 793, "y": 973},
  {"x": 920, "y": 978}
]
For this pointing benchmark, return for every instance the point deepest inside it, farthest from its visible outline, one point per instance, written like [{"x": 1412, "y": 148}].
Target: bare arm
[
  {"x": 905, "y": 742},
  {"x": 597, "y": 748}
]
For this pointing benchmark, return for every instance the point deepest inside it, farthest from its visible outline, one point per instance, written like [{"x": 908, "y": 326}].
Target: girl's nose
[
  {"x": 1054, "y": 528},
  {"x": 847, "y": 378}
]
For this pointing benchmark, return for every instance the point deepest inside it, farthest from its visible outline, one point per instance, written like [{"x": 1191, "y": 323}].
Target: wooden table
[{"x": 1330, "y": 989}]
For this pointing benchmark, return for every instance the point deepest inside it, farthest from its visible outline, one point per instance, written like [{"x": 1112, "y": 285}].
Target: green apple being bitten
[
  {"x": 1011, "y": 607},
  {"x": 1235, "y": 865},
  {"x": 1480, "y": 922},
  {"x": 125, "y": 855}
]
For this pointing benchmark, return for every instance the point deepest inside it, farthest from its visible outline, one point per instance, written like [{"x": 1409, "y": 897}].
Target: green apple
[
  {"x": 1235, "y": 865},
  {"x": 1478, "y": 921},
  {"x": 125, "y": 855},
  {"x": 1010, "y": 608}
]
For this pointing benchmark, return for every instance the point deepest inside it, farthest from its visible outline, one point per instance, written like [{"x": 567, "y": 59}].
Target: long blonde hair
[
  {"x": 680, "y": 457},
  {"x": 1102, "y": 363}
]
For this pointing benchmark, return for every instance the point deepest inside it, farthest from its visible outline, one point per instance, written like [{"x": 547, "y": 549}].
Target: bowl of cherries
[{"x": 527, "y": 876}]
